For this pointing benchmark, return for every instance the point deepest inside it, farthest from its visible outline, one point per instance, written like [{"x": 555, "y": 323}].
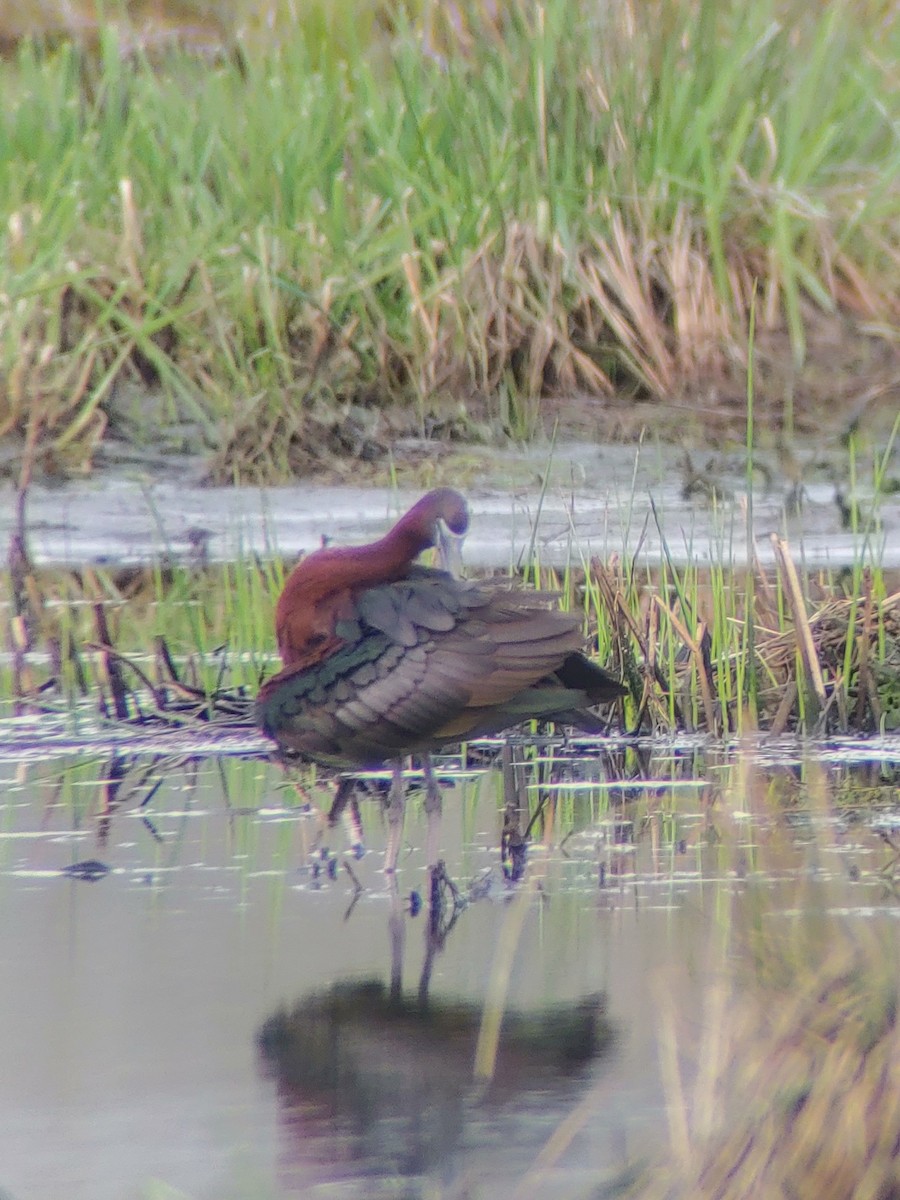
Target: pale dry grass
[{"x": 796, "y": 1091}]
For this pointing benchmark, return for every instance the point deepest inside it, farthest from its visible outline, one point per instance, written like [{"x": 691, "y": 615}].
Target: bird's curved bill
[{"x": 448, "y": 556}]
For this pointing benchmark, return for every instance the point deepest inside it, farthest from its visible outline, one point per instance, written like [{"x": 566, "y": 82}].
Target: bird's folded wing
[{"x": 424, "y": 660}]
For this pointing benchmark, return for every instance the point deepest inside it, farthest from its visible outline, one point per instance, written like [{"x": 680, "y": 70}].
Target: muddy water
[
  {"x": 206, "y": 989},
  {"x": 597, "y": 501}
]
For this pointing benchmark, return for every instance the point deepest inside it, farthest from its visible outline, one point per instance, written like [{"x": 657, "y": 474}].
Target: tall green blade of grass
[{"x": 750, "y": 696}]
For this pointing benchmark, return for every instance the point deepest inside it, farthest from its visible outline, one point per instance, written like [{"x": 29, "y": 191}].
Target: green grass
[
  {"x": 217, "y": 625},
  {"x": 567, "y": 198}
]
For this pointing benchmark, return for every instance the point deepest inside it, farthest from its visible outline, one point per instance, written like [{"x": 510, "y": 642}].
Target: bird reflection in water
[
  {"x": 377, "y": 1083},
  {"x": 384, "y": 658}
]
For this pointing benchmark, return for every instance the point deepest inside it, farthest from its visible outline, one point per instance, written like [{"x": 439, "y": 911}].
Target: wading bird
[{"x": 383, "y": 658}]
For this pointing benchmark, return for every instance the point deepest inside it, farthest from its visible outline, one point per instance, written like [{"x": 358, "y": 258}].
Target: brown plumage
[{"x": 384, "y": 658}]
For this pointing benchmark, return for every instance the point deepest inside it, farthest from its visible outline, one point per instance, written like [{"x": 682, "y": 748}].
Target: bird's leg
[
  {"x": 433, "y": 807},
  {"x": 395, "y": 808},
  {"x": 351, "y": 820},
  {"x": 345, "y": 809},
  {"x": 513, "y": 842},
  {"x": 345, "y": 789},
  {"x": 397, "y": 934}
]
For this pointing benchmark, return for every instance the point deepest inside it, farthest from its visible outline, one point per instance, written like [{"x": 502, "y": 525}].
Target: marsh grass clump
[
  {"x": 798, "y": 1091},
  {"x": 378, "y": 209},
  {"x": 724, "y": 651}
]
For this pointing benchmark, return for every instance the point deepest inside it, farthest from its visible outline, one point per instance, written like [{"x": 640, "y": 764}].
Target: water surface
[
  {"x": 572, "y": 502},
  {"x": 219, "y": 907}
]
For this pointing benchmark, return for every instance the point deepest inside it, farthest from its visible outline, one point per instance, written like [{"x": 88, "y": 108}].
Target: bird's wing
[{"x": 422, "y": 661}]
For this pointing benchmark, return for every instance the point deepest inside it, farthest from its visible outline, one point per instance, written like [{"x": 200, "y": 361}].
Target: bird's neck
[
  {"x": 345, "y": 568},
  {"x": 318, "y": 592}
]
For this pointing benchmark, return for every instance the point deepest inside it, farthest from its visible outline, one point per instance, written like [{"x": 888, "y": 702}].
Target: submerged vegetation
[{"x": 444, "y": 220}]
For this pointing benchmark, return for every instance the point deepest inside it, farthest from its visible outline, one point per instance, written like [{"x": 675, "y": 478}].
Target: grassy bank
[{"x": 286, "y": 249}]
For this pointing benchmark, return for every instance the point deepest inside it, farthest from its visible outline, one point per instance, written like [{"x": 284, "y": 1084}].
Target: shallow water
[
  {"x": 219, "y": 905},
  {"x": 599, "y": 500}
]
